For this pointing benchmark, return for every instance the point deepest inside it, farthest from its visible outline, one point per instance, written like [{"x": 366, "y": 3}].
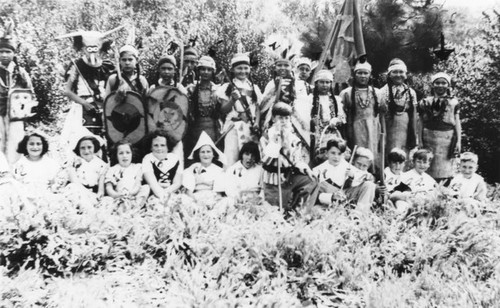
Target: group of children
[{"x": 297, "y": 143}]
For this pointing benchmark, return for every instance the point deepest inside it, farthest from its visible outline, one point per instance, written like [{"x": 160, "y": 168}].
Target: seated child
[
  {"x": 415, "y": 181},
  {"x": 123, "y": 180},
  {"x": 87, "y": 169},
  {"x": 244, "y": 178},
  {"x": 393, "y": 172},
  {"x": 468, "y": 184},
  {"x": 162, "y": 169},
  {"x": 281, "y": 147},
  {"x": 336, "y": 174},
  {"x": 204, "y": 178},
  {"x": 35, "y": 169}
]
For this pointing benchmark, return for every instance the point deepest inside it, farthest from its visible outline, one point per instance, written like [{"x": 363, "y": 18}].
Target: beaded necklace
[{"x": 359, "y": 100}]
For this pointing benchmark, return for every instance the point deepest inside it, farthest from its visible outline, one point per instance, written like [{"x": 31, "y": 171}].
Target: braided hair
[
  {"x": 316, "y": 105},
  {"x": 353, "y": 98}
]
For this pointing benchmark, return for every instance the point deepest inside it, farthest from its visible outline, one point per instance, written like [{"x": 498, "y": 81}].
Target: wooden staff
[
  {"x": 350, "y": 163},
  {"x": 382, "y": 152}
]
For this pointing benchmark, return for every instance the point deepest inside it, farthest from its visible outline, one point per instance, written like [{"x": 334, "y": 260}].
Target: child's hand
[
  {"x": 349, "y": 173},
  {"x": 235, "y": 95},
  {"x": 334, "y": 122}
]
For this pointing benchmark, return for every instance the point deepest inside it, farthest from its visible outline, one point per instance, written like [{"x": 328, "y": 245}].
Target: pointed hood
[{"x": 206, "y": 140}]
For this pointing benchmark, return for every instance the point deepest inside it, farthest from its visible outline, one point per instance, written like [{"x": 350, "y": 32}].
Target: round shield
[
  {"x": 167, "y": 110},
  {"x": 125, "y": 117}
]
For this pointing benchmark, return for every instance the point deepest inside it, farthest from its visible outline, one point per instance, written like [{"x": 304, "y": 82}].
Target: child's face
[
  {"x": 421, "y": 165},
  {"x": 167, "y": 71},
  {"x": 128, "y": 63},
  {"x": 334, "y": 156},
  {"x": 159, "y": 146},
  {"x": 124, "y": 155},
  {"x": 304, "y": 71},
  {"x": 86, "y": 150},
  {"x": 6, "y": 56},
  {"x": 440, "y": 86},
  {"x": 248, "y": 160},
  {"x": 206, "y": 155},
  {"x": 397, "y": 76},
  {"x": 362, "y": 77},
  {"x": 468, "y": 168},
  {"x": 282, "y": 121},
  {"x": 189, "y": 64},
  {"x": 324, "y": 86},
  {"x": 282, "y": 69},
  {"x": 206, "y": 73},
  {"x": 362, "y": 163},
  {"x": 241, "y": 71},
  {"x": 396, "y": 167},
  {"x": 34, "y": 147}
]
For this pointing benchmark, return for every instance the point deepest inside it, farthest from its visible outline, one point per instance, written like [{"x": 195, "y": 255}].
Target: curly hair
[
  {"x": 113, "y": 153},
  {"x": 22, "y": 147}
]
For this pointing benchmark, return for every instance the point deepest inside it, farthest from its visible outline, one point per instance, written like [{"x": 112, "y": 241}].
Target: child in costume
[
  {"x": 87, "y": 169},
  {"x": 468, "y": 184},
  {"x": 204, "y": 178},
  {"x": 244, "y": 178},
  {"x": 190, "y": 61},
  {"x": 12, "y": 76},
  {"x": 327, "y": 114},
  {"x": 162, "y": 169},
  {"x": 167, "y": 74},
  {"x": 240, "y": 105},
  {"x": 361, "y": 106},
  {"x": 204, "y": 107},
  {"x": 123, "y": 179},
  {"x": 35, "y": 169},
  {"x": 282, "y": 148},
  {"x": 441, "y": 128},
  {"x": 131, "y": 78},
  {"x": 337, "y": 175},
  {"x": 401, "y": 102}
]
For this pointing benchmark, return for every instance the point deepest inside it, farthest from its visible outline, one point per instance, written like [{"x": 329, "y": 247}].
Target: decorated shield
[
  {"x": 21, "y": 104},
  {"x": 167, "y": 110},
  {"x": 124, "y": 117}
]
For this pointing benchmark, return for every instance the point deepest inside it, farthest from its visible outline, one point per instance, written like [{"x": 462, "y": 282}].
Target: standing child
[
  {"x": 131, "y": 78},
  {"x": 35, "y": 169},
  {"x": 361, "y": 106},
  {"x": 468, "y": 184},
  {"x": 401, "y": 101},
  {"x": 162, "y": 169},
  {"x": 326, "y": 112},
  {"x": 203, "y": 105},
  {"x": 441, "y": 128},
  {"x": 240, "y": 104},
  {"x": 87, "y": 169},
  {"x": 167, "y": 74},
  {"x": 337, "y": 175},
  {"x": 124, "y": 179},
  {"x": 12, "y": 76}
]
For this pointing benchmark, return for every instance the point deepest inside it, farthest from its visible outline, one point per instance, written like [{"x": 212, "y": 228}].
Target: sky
[{"x": 475, "y": 5}]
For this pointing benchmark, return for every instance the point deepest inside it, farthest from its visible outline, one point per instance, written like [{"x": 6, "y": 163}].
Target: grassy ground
[{"x": 442, "y": 253}]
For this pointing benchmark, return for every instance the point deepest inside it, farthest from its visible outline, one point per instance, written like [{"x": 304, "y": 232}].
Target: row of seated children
[{"x": 161, "y": 173}]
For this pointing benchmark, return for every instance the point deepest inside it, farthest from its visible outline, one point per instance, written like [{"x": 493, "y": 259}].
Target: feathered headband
[{"x": 7, "y": 40}]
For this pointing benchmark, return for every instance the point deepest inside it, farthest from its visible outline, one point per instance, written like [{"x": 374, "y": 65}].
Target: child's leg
[{"x": 363, "y": 195}]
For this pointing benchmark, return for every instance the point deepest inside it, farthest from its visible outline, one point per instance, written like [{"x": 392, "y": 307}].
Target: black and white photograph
[{"x": 250, "y": 153}]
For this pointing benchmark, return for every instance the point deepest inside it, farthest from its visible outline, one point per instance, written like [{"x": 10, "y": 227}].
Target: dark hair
[
  {"x": 196, "y": 154},
  {"x": 396, "y": 156},
  {"x": 22, "y": 147},
  {"x": 158, "y": 133},
  {"x": 423, "y": 154},
  {"x": 113, "y": 154},
  {"x": 250, "y": 148},
  {"x": 95, "y": 142},
  {"x": 337, "y": 143}
]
